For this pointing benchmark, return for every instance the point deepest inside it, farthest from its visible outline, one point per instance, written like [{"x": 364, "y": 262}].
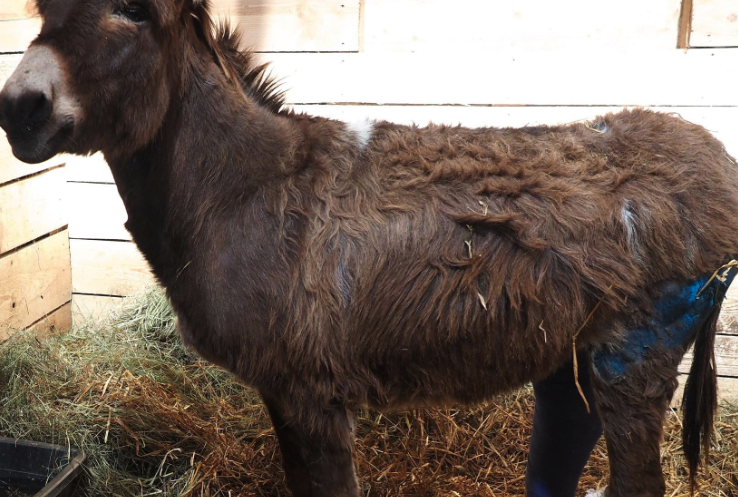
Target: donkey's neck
[{"x": 214, "y": 151}]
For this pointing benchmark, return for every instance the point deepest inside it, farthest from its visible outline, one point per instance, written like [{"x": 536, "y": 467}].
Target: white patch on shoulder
[
  {"x": 361, "y": 131},
  {"x": 629, "y": 221},
  {"x": 595, "y": 493}
]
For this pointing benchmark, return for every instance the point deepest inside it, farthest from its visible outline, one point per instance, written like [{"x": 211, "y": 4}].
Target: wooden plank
[
  {"x": 265, "y": 25},
  {"x": 728, "y": 323},
  {"x": 468, "y": 25},
  {"x": 8, "y": 63},
  {"x": 96, "y": 211},
  {"x": 86, "y": 308},
  {"x": 16, "y": 9},
  {"x": 36, "y": 281},
  {"x": 727, "y": 390},
  {"x": 719, "y": 120},
  {"x": 294, "y": 25},
  {"x": 685, "y": 24},
  {"x": 591, "y": 78},
  {"x": 108, "y": 268},
  {"x": 714, "y": 24},
  {"x": 16, "y": 35},
  {"x": 58, "y": 321},
  {"x": 31, "y": 208},
  {"x": 11, "y": 168},
  {"x": 91, "y": 169},
  {"x": 726, "y": 356}
]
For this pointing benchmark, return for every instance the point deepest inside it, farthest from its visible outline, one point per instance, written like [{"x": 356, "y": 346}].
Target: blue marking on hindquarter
[{"x": 679, "y": 313}]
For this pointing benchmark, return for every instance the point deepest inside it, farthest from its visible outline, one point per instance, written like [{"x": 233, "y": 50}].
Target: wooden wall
[
  {"x": 18, "y": 26},
  {"x": 473, "y": 62},
  {"x": 35, "y": 266},
  {"x": 714, "y": 23}
]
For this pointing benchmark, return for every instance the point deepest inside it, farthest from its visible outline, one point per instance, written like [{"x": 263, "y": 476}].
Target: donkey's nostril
[
  {"x": 33, "y": 108},
  {"x": 25, "y": 112}
]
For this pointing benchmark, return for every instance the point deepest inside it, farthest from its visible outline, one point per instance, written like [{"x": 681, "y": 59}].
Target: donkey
[{"x": 331, "y": 265}]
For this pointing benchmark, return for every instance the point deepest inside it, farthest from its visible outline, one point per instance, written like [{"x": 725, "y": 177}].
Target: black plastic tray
[{"x": 37, "y": 469}]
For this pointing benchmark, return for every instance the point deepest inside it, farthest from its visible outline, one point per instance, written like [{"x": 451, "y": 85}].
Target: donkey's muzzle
[
  {"x": 24, "y": 114},
  {"x": 37, "y": 110}
]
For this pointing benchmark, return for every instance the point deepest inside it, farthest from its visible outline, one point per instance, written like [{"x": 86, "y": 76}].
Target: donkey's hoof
[{"x": 595, "y": 493}]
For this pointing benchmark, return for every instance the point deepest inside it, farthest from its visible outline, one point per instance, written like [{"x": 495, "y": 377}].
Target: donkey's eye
[{"x": 135, "y": 12}]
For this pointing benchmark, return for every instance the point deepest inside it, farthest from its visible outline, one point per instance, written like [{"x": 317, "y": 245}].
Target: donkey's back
[{"x": 449, "y": 264}]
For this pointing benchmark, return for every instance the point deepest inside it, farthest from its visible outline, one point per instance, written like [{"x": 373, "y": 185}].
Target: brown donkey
[{"x": 331, "y": 265}]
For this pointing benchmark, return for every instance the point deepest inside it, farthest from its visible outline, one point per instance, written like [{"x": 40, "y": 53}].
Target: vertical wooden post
[
  {"x": 685, "y": 24},
  {"x": 362, "y": 22}
]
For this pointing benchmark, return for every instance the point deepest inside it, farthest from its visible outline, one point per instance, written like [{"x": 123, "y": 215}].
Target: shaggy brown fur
[{"x": 420, "y": 268}]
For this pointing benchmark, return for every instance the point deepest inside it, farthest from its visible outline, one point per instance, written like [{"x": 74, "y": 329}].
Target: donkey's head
[{"x": 102, "y": 73}]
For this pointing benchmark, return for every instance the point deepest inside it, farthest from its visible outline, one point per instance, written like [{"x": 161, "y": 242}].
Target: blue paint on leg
[{"x": 679, "y": 313}]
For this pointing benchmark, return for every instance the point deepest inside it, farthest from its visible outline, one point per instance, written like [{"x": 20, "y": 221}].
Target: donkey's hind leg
[
  {"x": 632, "y": 408},
  {"x": 317, "y": 461},
  {"x": 634, "y": 381}
]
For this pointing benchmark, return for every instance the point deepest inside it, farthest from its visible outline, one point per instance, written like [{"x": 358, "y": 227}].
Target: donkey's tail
[{"x": 700, "y": 402}]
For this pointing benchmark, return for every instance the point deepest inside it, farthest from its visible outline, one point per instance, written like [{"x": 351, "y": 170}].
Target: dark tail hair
[{"x": 699, "y": 402}]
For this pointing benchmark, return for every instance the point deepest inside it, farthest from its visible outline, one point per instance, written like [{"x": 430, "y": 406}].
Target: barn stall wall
[
  {"x": 472, "y": 62},
  {"x": 34, "y": 245}
]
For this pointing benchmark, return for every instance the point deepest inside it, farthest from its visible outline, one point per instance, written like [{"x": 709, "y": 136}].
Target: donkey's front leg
[
  {"x": 317, "y": 458},
  {"x": 633, "y": 407}
]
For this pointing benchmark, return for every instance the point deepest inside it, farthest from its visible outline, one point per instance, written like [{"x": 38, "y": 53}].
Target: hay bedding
[{"x": 156, "y": 421}]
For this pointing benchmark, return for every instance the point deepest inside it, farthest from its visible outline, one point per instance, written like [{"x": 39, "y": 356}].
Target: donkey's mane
[{"x": 238, "y": 65}]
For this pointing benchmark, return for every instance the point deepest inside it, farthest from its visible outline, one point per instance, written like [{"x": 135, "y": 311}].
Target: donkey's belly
[{"x": 461, "y": 372}]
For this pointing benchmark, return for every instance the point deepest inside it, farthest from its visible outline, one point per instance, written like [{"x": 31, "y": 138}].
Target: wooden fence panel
[
  {"x": 533, "y": 78},
  {"x": 58, "y": 321},
  {"x": 96, "y": 211},
  {"x": 92, "y": 307},
  {"x": 8, "y": 63},
  {"x": 728, "y": 324},
  {"x": 31, "y": 208},
  {"x": 11, "y": 168},
  {"x": 108, "y": 268},
  {"x": 726, "y": 356},
  {"x": 11, "y": 10},
  {"x": 714, "y": 23},
  {"x": 17, "y": 34},
  {"x": 91, "y": 169},
  {"x": 472, "y": 25},
  {"x": 727, "y": 390},
  {"x": 264, "y": 25},
  {"x": 294, "y": 25},
  {"x": 36, "y": 281}
]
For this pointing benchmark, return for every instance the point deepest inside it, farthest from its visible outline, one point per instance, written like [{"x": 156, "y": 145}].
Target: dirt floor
[{"x": 155, "y": 420}]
